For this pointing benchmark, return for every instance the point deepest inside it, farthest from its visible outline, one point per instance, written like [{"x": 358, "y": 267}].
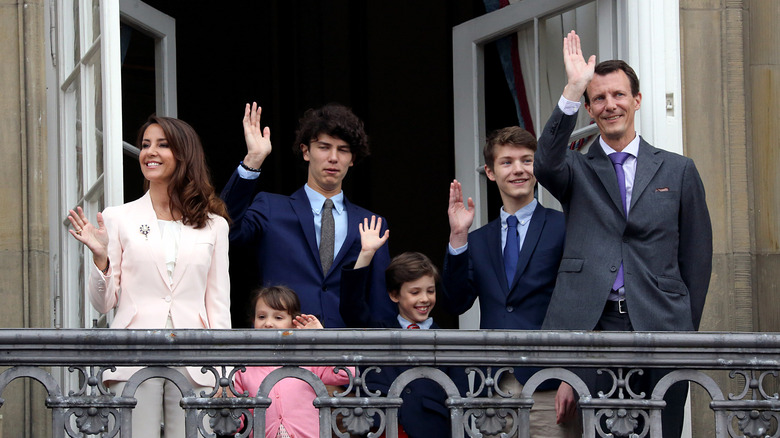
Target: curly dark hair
[
  {"x": 335, "y": 120},
  {"x": 190, "y": 190}
]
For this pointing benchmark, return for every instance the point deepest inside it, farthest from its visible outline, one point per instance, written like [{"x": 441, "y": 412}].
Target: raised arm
[
  {"x": 258, "y": 139},
  {"x": 96, "y": 239},
  {"x": 370, "y": 240},
  {"x": 457, "y": 292},
  {"x": 578, "y": 72},
  {"x": 461, "y": 217}
]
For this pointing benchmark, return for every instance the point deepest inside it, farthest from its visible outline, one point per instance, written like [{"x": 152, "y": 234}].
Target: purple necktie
[{"x": 618, "y": 158}]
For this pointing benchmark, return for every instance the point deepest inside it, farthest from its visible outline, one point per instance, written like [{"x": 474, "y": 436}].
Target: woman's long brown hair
[{"x": 190, "y": 190}]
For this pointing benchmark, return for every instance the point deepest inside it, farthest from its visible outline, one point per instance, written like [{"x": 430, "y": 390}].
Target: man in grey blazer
[{"x": 638, "y": 252}]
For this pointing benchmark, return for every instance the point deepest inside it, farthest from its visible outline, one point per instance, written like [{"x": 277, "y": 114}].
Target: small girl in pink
[{"x": 291, "y": 413}]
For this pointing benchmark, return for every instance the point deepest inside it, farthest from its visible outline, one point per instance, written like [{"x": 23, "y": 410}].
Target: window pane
[
  {"x": 97, "y": 88},
  {"x": 73, "y": 167},
  {"x": 138, "y": 81},
  {"x": 76, "y": 32},
  {"x": 82, "y": 283},
  {"x": 95, "y": 19}
]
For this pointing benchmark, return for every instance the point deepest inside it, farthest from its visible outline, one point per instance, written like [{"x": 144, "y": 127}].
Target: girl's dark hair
[
  {"x": 190, "y": 190},
  {"x": 276, "y": 297}
]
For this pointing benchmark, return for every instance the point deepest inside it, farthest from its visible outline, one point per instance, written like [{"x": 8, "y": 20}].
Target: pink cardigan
[{"x": 291, "y": 399}]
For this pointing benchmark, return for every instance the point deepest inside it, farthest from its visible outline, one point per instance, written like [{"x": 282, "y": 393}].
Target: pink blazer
[{"x": 137, "y": 282}]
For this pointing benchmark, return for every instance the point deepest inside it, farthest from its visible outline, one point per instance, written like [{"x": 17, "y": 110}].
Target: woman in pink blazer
[{"x": 162, "y": 262}]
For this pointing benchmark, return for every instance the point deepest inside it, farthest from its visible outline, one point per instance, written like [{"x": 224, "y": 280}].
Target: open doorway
[{"x": 390, "y": 61}]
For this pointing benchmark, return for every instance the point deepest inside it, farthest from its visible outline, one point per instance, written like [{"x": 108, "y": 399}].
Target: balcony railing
[{"x": 91, "y": 410}]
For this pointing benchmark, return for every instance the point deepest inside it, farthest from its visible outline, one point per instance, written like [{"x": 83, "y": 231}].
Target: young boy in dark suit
[
  {"x": 510, "y": 264},
  {"x": 411, "y": 281}
]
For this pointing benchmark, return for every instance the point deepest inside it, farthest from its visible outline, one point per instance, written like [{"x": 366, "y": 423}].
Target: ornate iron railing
[{"x": 751, "y": 358}]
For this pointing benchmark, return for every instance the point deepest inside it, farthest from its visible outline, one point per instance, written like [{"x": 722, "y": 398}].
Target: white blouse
[{"x": 171, "y": 236}]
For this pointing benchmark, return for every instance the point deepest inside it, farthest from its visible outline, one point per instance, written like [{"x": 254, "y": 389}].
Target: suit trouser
[
  {"x": 158, "y": 405},
  {"x": 673, "y": 413},
  {"x": 543, "y": 424}
]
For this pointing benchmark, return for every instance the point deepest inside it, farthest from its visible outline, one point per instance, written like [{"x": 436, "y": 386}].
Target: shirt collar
[
  {"x": 316, "y": 200},
  {"x": 425, "y": 325},
  {"x": 523, "y": 215},
  {"x": 632, "y": 148}
]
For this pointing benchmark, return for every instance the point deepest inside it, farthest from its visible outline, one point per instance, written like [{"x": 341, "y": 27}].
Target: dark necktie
[
  {"x": 327, "y": 236},
  {"x": 618, "y": 158},
  {"x": 511, "y": 250},
  {"x": 413, "y": 326}
]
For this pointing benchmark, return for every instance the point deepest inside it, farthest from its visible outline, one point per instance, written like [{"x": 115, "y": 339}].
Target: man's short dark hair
[
  {"x": 335, "y": 120},
  {"x": 511, "y": 135},
  {"x": 606, "y": 67},
  {"x": 406, "y": 267}
]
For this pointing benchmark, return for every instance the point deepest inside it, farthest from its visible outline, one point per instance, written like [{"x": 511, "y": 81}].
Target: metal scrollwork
[
  {"x": 92, "y": 404},
  {"x": 224, "y": 417},
  {"x": 755, "y": 421},
  {"x": 491, "y": 420},
  {"x": 358, "y": 420},
  {"x": 622, "y": 422}
]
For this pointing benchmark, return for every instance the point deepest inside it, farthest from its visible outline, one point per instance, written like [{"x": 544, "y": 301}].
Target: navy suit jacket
[
  {"x": 423, "y": 413},
  {"x": 479, "y": 273},
  {"x": 281, "y": 230}
]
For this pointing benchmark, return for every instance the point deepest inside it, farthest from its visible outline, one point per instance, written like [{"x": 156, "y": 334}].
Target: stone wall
[{"x": 24, "y": 238}]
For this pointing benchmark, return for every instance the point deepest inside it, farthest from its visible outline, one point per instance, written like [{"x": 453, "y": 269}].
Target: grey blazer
[{"x": 665, "y": 244}]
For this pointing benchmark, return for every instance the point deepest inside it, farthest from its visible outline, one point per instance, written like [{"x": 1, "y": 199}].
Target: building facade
[{"x": 64, "y": 144}]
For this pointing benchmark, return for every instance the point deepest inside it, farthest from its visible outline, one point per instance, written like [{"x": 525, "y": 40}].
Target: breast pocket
[
  {"x": 202, "y": 252},
  {"x": 571, "y": 265}
]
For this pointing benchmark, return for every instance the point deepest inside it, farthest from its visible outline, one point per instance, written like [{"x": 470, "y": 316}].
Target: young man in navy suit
[
  {"x": 411, "y": 281},
  {"x": 303, "y": 240},
  {"x": 510, "y": 264},
  {"x": 638, "y": 253}
]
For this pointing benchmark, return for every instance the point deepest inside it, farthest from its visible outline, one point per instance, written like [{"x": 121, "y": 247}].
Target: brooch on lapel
[{"x": 144, "y": 230}]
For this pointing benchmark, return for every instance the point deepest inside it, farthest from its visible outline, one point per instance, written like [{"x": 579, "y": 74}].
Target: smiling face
[
  {"x": 156, "y": 158},
  {"x": 329, "y": 159},
  {"x": 513, "y": 172},
  {"x": 416, "y": 298},
  {"x": 270, "y": 318},
  {"x": 613, "y": 107}
]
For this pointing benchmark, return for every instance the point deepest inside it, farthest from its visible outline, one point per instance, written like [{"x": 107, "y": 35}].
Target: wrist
[
  {"x": 458, "y": 239},
  {"x": 102, "y": 263},
  {"x": 367, "y": 252},
  {"x": 573, "y": 92},
  {"x": 249, "y": 167},
  {"x": 253, "y": 161}
]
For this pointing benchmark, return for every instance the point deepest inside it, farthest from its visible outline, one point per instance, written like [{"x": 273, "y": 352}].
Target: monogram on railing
[{"x": 483, "y": 409}]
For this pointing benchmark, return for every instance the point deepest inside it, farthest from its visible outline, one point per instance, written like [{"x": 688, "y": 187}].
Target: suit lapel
[
  {"x": 496, "y": 253},
  {"x": 529, "y": 243},
  {"x": 186, "y": 246},
  {"x": 302, "y": 207},
  {"x": 353, "y": 219},
  {"x": 647, "y": 164},
  {"x": 147, "y": 218},
  {"x": 605, "y": 171}
]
